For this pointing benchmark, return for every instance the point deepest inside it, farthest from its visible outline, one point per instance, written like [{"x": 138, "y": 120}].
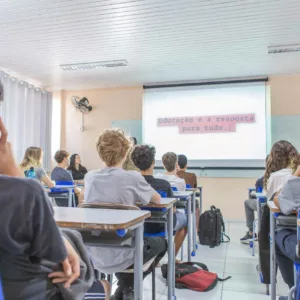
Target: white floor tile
[
  {"x": 189, "y": 295},
  {"x": 244, "y": 283},
  {"x": 242, "y": 266},
  {"x": 231, "y": 295}
]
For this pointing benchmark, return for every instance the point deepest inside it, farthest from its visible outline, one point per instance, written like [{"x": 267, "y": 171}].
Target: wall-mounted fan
[{"x": 83, "y": 105}]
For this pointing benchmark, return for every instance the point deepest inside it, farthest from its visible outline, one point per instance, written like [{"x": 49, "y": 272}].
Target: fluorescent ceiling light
[
  {"x": 283, "y": 49},
  {"x": 94, "y": 65}
]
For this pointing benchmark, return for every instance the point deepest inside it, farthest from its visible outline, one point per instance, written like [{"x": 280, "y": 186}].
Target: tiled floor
[{"x": 232, "y": 259}]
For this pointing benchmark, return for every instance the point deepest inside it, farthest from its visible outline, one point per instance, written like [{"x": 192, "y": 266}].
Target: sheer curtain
[{"x": 27, "y": 111}]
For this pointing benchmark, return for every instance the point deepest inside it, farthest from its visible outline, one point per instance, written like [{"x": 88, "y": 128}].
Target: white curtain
[{"x": 27, "y": 112}]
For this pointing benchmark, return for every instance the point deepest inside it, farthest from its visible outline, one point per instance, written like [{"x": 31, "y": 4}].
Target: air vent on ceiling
[
  {"x": 94, "y": 65},
  {"x": 283, "y": 49}
]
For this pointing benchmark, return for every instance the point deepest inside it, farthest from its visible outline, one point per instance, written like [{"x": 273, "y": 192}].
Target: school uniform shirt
[
  {"x": 28, "y": 235},
  {"x": 289, "y": 197},
  {"x": 78, "y": 174},
  {"x": 189, "y": 178},
  {"x": 277, "y": 180},
  {"x": 115, "y": 185},
  {"x": 174, "y": 180},
  {"x": 163, "y": 186},
  {"x": 61, "y": 174}
]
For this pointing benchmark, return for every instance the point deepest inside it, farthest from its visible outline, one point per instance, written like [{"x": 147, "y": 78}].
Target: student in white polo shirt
[
  {"x": 115, "y": 185},
  {"x": 170, "y": 162}
]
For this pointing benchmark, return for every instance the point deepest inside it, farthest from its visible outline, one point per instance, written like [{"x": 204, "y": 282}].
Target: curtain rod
[{"x": 230, "y": 81}]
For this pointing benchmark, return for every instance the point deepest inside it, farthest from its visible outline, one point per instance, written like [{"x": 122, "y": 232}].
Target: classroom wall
[{"x": 126, "y": 104}]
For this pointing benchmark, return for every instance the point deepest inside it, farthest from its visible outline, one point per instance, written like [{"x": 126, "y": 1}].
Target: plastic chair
[
  {"x": 121, "y": 233},
  {"x": 62, "y": 193}
]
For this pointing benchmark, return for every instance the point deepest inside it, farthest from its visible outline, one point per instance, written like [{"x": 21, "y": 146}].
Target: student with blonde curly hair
[
  {"x": 282, "y": 163},
  {"x": 115, "y": 185}
]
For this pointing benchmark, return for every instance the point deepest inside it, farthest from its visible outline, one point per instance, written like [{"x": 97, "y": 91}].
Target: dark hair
[
  {"x": 143, "y": 156},
  {"x": 72, "y": 166},
  {"x": 134, "y": 140},
  {"x": 60, "y": 155},
  {"x": 169, "y": 161},
  {"x": 283, "y": 155},
  {"x": 182, "y": 161}
]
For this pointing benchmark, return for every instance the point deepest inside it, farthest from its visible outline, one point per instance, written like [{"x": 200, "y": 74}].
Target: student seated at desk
[
  {"x": 30, "y": 241},
  {"x": 115, "y": 185},
  {"x": 282, "y": 162},
  {"x": 128, "y": 164},
  {"x": 33, "y": 158},
  {"x": 250, "y": 208},
  {"x": 143, "y": 157},
  {"x": 170, "y": 162},
  {"x": 287, "y": 201},
  {"x": 77, "y": 170},
  {"x": 60, "y": 173}
]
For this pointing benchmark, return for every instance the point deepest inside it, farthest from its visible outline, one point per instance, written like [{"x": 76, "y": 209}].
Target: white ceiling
[{"x": 162, "y": 40}]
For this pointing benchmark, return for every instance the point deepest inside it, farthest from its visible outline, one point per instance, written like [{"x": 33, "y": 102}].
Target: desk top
[
  {"x": 191, "y": 189},
  {"x": 260, "y": 195},
  {"x": 164, "y": 203},
  {"x": 92, "y": 218},
  {"x": 182, "y": 194}
]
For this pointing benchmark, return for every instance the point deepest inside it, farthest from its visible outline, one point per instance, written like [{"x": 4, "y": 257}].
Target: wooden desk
[
  {"x": 102, "y": 219},
  {"x": 167, "y": 204},
  {"x": 109, "y": 220}
]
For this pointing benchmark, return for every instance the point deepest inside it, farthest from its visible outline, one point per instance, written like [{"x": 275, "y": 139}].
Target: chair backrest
[
  {"x": 188, "y": 186},
  {"x": 64, "y": 183},
  {"x": 108, "y": 206},
  {"x": 163, "y": 194},
  {"x": 174, "y": 188}
]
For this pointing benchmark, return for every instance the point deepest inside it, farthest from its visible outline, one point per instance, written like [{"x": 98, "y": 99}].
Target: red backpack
[{"x": 194, "y": 276}]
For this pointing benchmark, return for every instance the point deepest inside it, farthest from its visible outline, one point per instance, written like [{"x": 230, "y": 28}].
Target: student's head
[
  {"x": 282, "y": 155},
  {"x": 143, "y": 157},
  {"x": 113, "y": 146},
  {"x": 75, "y": 160},
  {"x": 62, "y": 158},
  {"x": 134, "y": 141},
  {"x": 33, "y": 158},
  {"x": 170, "y": 161},
  {"x": 182, "y": 161}
]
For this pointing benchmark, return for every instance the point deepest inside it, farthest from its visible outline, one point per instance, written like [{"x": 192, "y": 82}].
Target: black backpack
[{"x": 211, "y": 229}]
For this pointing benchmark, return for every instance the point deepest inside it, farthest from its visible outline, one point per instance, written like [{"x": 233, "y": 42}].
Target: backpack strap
[
  {"x": 201, "y": 265},
  {"x": 224, "y": 279},
  {"x": 228, "y": 238}
]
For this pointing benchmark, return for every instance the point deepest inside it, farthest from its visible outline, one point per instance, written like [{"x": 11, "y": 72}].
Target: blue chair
[
  {"x": 174, "y": 188},
  {"x": 188, "y": 186},
  {"x": 60, "y": 195},
  {"x": 1, "y": 291}
]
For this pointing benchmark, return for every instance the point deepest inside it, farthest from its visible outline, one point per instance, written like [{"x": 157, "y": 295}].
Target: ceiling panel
[{"x": 163, "y": 41}]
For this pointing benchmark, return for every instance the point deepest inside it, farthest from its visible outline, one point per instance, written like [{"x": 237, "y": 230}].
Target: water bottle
[{"x": 31, "y": 173}]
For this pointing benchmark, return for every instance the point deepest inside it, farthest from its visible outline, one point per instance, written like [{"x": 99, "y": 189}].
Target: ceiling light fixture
[
  {"x": 283, "y": 49},
  {"x": 94, "y": 65}
]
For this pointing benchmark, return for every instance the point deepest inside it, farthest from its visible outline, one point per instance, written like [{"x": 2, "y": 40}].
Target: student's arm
[
  {"x": 195, "y": 178},
  {"x": 81, "y": 196},
  {"x": 155, "y": 197},
  {"x": 47, "y": 181}
]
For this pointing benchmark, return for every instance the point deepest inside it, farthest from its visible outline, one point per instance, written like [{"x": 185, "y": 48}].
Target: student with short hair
[
  {"x": 170, "y": 162},
  {"x": 282, "y": 162},
  {"x": 128, "y": 164},
  {"x": 33, "y": 158},
  {"x": 189, "y": 178},
  {"x": 59, "y": 173},
  {"x": 112, "y": 184},
  {"x": 143, "y": 157},
  {"x": 31, "y": 241}
]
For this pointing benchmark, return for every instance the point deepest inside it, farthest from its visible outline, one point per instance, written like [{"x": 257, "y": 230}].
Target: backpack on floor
[
  {"x": 211, "y": 229},
  {"x": 194, "y": 276}
]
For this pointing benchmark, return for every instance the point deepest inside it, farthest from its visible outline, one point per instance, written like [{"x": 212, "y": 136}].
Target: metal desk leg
[
  {"x": 194, "y": 225},
  {"x": 189, "y": 229},
  {"x": 200, "y": 201},
  {"x": 272, "y": 256},
  {"x": 138, "y": 262},
  {"x": 171, "y": 255},
  {"x": 70, "y": 198}
]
